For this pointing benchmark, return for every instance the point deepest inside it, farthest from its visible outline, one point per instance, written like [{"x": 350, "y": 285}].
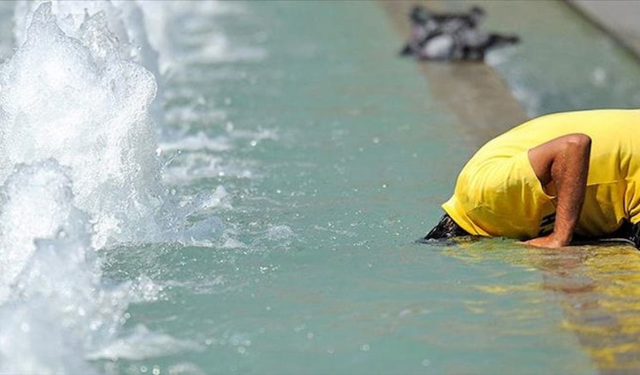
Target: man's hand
[{"x": 549, "y": 241}]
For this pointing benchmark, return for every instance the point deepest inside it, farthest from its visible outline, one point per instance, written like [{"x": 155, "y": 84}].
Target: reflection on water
[{"x": 598, "y": 288}]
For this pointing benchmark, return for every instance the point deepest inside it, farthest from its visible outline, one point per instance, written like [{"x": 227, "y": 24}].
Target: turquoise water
[
  {"x": 325, "y": 157},
  {"x": 326, "y": 276}
]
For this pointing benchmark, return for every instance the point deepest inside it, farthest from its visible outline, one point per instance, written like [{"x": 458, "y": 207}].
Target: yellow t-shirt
[{"x": 498, "y": 193}]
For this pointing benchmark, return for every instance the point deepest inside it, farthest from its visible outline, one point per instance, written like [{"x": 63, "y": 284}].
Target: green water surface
[{"x": 323, "y": 274}]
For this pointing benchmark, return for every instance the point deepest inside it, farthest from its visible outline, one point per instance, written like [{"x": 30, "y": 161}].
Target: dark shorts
[{"x": 627, "y": 233}]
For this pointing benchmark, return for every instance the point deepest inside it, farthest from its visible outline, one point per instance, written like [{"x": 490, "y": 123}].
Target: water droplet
[
  {"x": 24, "y": 327},
  {"x": 156, "y": 370},
  {"x": 143, "y": 369},
  {"x": 426, "y": 363},
  {"x": 242, "y": 350},
  {"x": 365, "y": 348},
  {"x": 310, "y": 335},
  {"x": 300, "y": 328},
  {"x": 376, "y": 140}
]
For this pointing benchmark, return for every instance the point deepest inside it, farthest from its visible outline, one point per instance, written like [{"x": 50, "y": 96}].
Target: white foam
[
  {"x": 192, "y": 166},
  {"x": 146, "y": 290},
  {"x": 232, "y": 243},
  {"x": 82, "y": 104},
  {"x": 279, "y": 232},
  {"x": 220, "y": 50},
  {"x": 53, "y": 306},
  {"x": 197, "y": 142},
  {"x": 123, "y": 19},
  {"x": 142, "y": 344},
  {"x": 185, "y": 368},
  {"x": 35, "y": 203},
  {"x": 79, "y": 172},
  {"x": 189, "y": 115},
  {"x": 220, "y": 199},
  {"x": 158, "y": 22}
]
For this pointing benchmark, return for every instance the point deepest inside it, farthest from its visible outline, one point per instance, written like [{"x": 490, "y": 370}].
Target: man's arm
[{"x": 565, "y": 162}]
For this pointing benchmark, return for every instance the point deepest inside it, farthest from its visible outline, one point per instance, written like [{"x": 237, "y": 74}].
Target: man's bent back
[{"x": 510, "y": 187}]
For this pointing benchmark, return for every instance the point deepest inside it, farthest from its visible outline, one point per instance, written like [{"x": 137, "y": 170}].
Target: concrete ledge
[{"x": 618, "y": 18}]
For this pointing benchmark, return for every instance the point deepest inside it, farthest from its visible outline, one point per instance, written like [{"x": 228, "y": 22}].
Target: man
[{"x": 566, "y": 174}]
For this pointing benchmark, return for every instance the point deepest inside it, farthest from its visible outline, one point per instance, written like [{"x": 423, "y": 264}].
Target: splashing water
[
  {"x": 56, "y": 305},
  {"x": 88, "y": 109},
  {"x": 79, "y": 173},
  {"x": 123, "y": 19}
]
